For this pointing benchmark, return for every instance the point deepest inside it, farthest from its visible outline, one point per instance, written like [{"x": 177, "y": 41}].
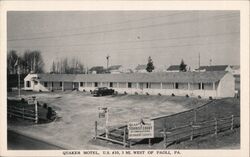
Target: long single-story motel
[{"x": 215, "y": 84}]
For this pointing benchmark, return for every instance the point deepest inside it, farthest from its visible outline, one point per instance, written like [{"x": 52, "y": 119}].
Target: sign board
[
  {"x": 142, "y": 129},
  {"x": 31, "y": 101},
  {"x": 102, "y": 111}
]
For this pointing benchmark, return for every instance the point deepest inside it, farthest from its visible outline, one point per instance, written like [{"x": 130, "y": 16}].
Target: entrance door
[
  {"x": 141, "y": 86},
  {"x": 76, "y": 85}
]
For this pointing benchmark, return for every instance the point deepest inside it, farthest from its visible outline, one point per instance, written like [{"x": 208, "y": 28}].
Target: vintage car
[{"x": 100, "y": 91}]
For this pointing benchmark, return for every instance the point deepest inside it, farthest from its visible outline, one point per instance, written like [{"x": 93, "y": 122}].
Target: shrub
[
  {"x": 84, "y": 90},
  {"x": 23, "y": 100},
  {"x": 210, "y": 98},
  {"x": 136, "y": 93},
  {"x": 40, "y": 90},
  {"x": 125, "y": 93},
  {"x": 159, "y": 94},
  {"x": 187, "y": 96},
  {"x": 147, "y": 93},
  {"x": 199, "y": 96},
  {"x": 172, "y": 94},
  {"x": 45, "y": 105},
  {"x": 49, "y": 113}
]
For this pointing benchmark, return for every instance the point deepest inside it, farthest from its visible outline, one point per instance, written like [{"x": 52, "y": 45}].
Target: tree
[
  {"x": 67, "y": 66},
  {"x": 183, "y": 66},
  {"x": 32, "y": 61},
  {"x": 150, "y": 66},
  {"x": 11, "y": 60}
]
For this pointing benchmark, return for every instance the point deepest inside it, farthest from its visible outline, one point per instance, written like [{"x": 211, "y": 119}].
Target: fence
[
  {"x": 116, "y": 135},
  {"x": 22, "y": 112},
  {"x": 193, "y": 130}
]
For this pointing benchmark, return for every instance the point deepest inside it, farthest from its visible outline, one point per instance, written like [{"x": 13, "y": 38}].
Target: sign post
[
  {"x": 104, "y": 113},
  {"x": 36, "y": 109}
]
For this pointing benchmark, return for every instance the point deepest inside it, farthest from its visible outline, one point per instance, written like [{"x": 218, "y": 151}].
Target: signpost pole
[
  {"x": 107, "y": 119},
  {"x": 36, "y": 110}
]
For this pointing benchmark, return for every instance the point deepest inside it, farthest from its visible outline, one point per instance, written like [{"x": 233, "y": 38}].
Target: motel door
[
  {"x": 76, "y": 85},
  {"x": 141, "y": 86}
]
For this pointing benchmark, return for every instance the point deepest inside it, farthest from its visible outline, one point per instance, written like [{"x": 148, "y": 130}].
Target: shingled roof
[
  {"x": 213, "y": 68},
  {"x": 173, "y": 67},
  {"x": 195, "y": 77}
]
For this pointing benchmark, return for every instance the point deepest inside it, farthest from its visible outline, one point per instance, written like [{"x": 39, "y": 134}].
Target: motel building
[{"x": 215, "y": 84}]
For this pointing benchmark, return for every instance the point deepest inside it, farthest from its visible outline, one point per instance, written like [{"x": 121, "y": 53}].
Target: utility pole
[{"x": 107, "y": 57}]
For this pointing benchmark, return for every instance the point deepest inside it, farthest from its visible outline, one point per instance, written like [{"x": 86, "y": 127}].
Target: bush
[
  {"x": 45, "y": 105},
  {"x": 23, "y": 100},
  {"x": 84, "y": 90},
  {"x": 172, "y": 94},
  {"x": 49, "y": 113},
  {"x": 136, "y": 93},
  {"x": 40, "y": 90},
  {"x": 210, "y": 98},
  {"x": 187, "y": 96},
  {"x": 199, "y": 96},
  {"x": 125, "y": 93},
  {"x": 159, "y": 94},
  {"x": 147, "y": 93}
]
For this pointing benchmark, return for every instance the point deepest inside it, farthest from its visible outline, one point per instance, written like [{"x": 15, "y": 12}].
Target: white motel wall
[{"x": 205, "y": 84}]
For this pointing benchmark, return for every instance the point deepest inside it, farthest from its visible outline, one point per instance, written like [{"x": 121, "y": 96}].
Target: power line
[
  {"x": 109, "y": 24},
  {"x": 125, "y": 29},
  {"x": 134, "y": 41}
]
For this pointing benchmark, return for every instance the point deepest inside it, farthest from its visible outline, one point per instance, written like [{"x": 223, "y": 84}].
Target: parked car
[{"x": 100, "y": 91}]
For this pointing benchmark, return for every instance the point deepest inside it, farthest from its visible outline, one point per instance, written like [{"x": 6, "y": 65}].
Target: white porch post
[
  {"x": 85, "y": 84},
  {"x": 201, "y": 86},
  {"x": 213, "y": 86},
  {"x": 161, "y": 85},
  {"x": 117, "y": 84},
  {"x": 188, "y": 86},
  {"x": 101, "y": 84},
  {"x": 137, "y": 85}
]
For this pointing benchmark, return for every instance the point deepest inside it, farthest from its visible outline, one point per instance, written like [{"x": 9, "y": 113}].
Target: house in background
[
  {"x": 235, "y": 69},
  {"x": 216, "y": 84},
  {"x": 214, "y": 68},
  {"x": 141, "y": 68},
  {"x": 97, "y": 70},
  {"x": 115, "y": 69},
  {"x": 173, "y": 68}
]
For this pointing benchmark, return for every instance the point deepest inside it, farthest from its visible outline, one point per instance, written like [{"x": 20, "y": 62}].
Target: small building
[
  {"x": 141, "y": 68},
  {"x": 204, "y": 84},
  {"x": 173, "y": 68},
  {"x": 235, "y": 69},
  {"x": 115, "y": 69},
  {"x": 214, "y": 68},
  {"x": 97, "y": 70}
]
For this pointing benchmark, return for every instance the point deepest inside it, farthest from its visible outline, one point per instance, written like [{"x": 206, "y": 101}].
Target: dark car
[{"x": 103, "y": 91}]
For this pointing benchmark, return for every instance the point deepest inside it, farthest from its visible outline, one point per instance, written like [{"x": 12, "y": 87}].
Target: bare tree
[{"x": 11, "y": 60}]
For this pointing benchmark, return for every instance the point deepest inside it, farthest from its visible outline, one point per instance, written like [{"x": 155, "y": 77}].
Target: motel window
[
  {"x": 129, "y": 85},
  {"x": 27, "y": 83},
  {"x": 111, "y": 84},
  {"x": 60, "y": 84},
  {"x": 201, "y": 86},
  {"x": 96, "y": 84},
  {"x": 45, "y": 84},
  {"x": 148, "y": 85},
  {"x": 176, "y": 86},
  {"x": 81, "y": 84}
]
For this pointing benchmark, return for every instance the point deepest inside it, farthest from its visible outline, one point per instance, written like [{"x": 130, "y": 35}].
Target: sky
[{"x": 128, "y": 37}]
